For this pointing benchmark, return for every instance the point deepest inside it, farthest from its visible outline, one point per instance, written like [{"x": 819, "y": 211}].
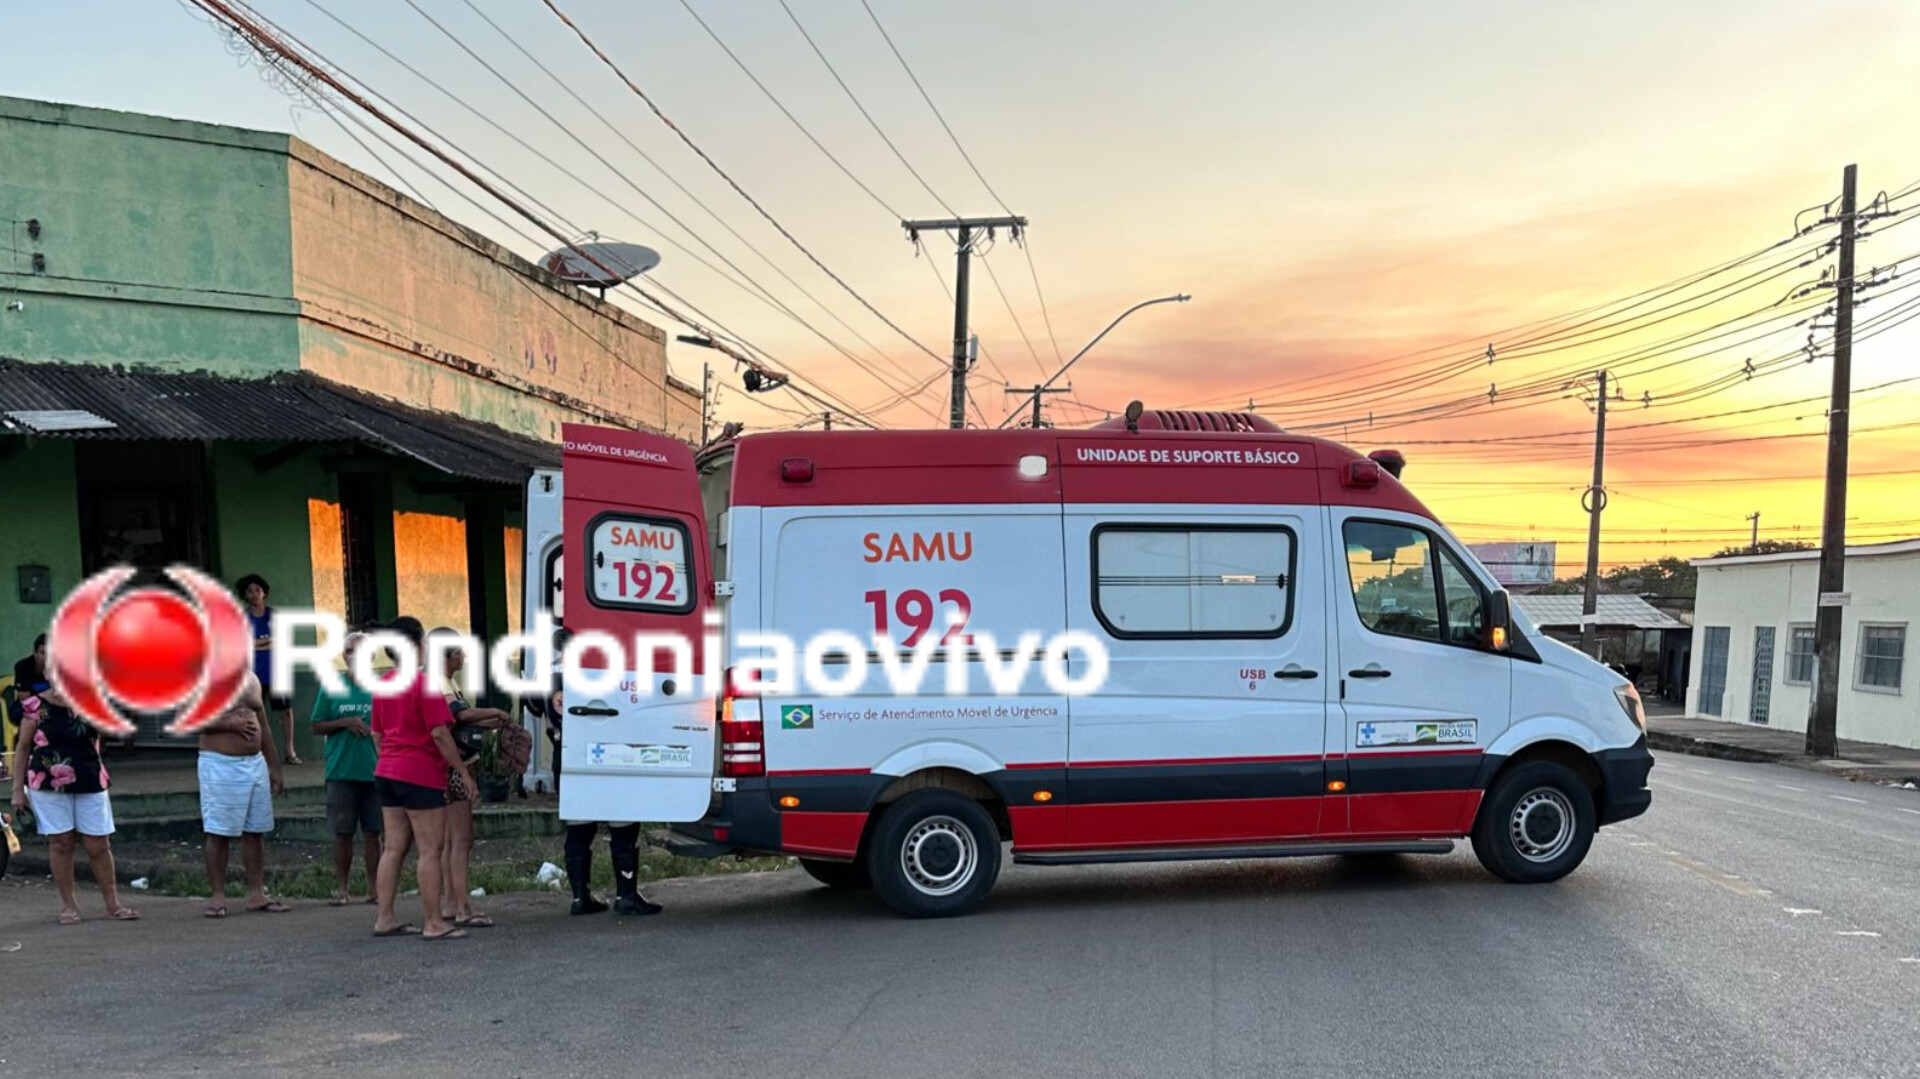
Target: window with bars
[
  {"x": 1800, "y": 656},
  {"x": 1883, "y": 656}
]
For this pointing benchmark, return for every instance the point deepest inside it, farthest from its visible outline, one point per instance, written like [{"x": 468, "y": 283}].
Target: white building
[{"x": 1753, "y": 654}]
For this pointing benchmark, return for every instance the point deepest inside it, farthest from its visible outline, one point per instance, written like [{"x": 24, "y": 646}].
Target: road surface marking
[
  {"x": 1699, "y": 771},
  {"x": 1902, "y": 838},
  {"x": 1856, "y": 933},
  {"x": 1904, "y": 809},
  {"x": 1798, "y": 911},
  {"x": 1796, "y": 790},
  {"x": 1910, "y": 959},
  {"x": 1725, "y": 880},
  {"x": 1742, "y": 779},
  {"x": 1844, "y": 798}
]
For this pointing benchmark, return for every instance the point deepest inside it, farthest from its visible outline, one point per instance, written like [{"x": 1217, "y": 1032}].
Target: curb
[{"x": 1700, "y": 747}]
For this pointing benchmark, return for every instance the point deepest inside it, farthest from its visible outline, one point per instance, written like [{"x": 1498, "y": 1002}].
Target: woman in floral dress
[{"x": 57, "y": 768}]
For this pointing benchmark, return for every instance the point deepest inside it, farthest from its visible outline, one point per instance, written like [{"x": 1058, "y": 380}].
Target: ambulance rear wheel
[
  {"x": 934, "y": 854},
  {"x": 840, "y": 876},
  {"x": 1536, "y": 823}
]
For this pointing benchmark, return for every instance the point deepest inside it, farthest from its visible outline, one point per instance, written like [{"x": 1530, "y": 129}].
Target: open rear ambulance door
[
  {"x": 540, "y": 583},
  {"x": 635, "y": 562}
]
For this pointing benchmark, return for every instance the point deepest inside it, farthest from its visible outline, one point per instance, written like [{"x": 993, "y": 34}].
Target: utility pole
[
  {"x": 706, "y": 401},
  {"x": 1754, "y": 547},
  {"x": 1595, "y": 500},
  {"x": 1036, "y": 391},
  {"x": 1823, "y": 739},
  {"x": 968, "y": 228}
]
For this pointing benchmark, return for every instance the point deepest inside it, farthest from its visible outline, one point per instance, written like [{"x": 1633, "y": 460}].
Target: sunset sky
[{"x": 1338, "y": 186}]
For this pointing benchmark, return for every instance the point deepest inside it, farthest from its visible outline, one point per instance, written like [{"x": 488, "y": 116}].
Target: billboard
[{"x": 1517, "y": 563}]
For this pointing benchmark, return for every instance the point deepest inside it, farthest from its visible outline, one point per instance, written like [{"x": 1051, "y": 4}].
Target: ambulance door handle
[
  {"x": 1371, "y": 670},
  {"x": 1294, "y": 670},
  {"x": 585, "y": 710}
]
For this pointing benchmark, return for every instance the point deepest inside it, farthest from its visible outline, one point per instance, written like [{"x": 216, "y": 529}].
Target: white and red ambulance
[{"x": 1301, "y": 659}]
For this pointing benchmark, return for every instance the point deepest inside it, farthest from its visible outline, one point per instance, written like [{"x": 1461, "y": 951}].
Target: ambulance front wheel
[
  {"x": 934, "y": 854},
  {"x": 1535, "y": 824},
  {"x": 840, "y": 876}
]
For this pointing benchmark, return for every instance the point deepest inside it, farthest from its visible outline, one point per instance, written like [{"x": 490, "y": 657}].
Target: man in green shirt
[{"x": 352, "y": 804}]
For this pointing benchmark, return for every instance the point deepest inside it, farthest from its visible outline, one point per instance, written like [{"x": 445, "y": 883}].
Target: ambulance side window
[
  {"x": 1406, "y": 584},
  {"x": 641, "y": 563},
  {"x": 1193, "y": 581}
]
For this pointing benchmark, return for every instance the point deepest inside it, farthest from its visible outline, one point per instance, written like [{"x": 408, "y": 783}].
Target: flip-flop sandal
[
  {"x": 125, "y": 914},
  {"x": 404, "y": 929},
  {"x": 272, "y": 906},
  {"x": 215, "y": 912},
  {"x": 338, "y": 901},
  {"x": 69, "y": 917},
  {"x": 477, "y": 921},
  {"x": 451, "y": 934}
]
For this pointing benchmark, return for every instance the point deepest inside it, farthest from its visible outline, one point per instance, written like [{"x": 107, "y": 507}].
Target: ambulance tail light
[
  {"x": 742, "y": 752},
  {"x": 742, "y": 747}
]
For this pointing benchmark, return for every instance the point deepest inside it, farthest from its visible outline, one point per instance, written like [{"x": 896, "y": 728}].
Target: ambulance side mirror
[{"x": 1499, "y": 628}]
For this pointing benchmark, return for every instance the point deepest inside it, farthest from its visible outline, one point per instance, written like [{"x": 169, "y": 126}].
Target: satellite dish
[{"x": 626, "y": 261}]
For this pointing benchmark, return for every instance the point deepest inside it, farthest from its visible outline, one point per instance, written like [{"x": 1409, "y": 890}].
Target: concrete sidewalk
[{"x": 1869, "y": 761}]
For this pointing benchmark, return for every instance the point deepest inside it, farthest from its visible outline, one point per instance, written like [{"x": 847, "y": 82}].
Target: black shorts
[
  {"x": 279, "y": 704},
  {"x": 395, "y": 794},
  {"x": 353, "y": 805}
]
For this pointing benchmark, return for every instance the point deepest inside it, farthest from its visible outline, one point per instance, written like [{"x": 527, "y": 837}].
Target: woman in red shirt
[{"x": 412, "y": 736}]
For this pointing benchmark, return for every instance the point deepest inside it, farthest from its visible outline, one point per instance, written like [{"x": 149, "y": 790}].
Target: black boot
[
  {"x": 580, "y": 868},
  {"x": 625, "y": 842}
]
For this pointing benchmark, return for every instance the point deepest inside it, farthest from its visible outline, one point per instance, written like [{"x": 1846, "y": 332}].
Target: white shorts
[
  {"x": 234, "y": 795},
  {"x": 57, "y": 813}
]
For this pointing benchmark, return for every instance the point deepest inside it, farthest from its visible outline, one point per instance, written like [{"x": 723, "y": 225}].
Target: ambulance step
[{"x": 1274, "y": 850}]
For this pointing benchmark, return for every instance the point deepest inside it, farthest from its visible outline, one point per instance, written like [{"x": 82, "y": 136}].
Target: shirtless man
[{"x": 239, "y": 773}]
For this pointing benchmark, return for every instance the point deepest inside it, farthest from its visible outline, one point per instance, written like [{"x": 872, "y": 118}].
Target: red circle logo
[{"x": 149, "y": 650}]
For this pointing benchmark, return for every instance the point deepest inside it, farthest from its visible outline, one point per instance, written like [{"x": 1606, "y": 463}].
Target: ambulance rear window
[
  {"x": 640, "y": 563},
  {"x": 1193, "y": 581}
]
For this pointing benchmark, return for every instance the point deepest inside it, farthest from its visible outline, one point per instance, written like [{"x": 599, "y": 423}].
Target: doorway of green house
[{"x": 142, "y": 504}]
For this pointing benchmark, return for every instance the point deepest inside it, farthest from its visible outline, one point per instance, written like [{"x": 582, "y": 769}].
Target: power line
[
  {"x": 731, "y": 182},
  {"x": 1045, "y": 315},
  {"x": 1499, "y": 337},
  {"x": 752, "y": 287},
  {"x": 252, "y": 30},
  {"x": 764, "y": 294}
]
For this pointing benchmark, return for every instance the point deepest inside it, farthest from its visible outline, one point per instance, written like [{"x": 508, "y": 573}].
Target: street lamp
[
  {"x": 758, "y": 379},
  {"x": 1177, "y": 298}
]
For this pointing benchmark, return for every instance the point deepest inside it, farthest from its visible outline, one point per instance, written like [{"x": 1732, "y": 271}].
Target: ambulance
[{"x": 1300, "y": 659}]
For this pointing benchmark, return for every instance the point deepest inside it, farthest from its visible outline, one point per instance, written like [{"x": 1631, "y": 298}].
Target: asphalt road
[{"x": 1759, "y": 921}]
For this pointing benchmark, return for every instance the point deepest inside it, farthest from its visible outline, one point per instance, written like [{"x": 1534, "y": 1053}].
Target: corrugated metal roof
[
  {"x": 1629, "y": 611},
  {"x": 293, "y": 407}
]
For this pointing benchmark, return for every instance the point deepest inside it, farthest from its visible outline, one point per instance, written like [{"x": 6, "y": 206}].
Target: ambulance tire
[
  {"x": 1536, "y": 823},
  {"x": 840, "y": 876},
  {"x": 934, "y": 854}
]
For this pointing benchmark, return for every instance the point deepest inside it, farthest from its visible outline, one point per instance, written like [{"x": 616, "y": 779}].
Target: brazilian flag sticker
[{"x": 796, "y": 717}]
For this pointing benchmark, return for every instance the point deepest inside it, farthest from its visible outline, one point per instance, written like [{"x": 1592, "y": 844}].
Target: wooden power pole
[
  {"x": 1037, "y": 392},
  {"x": 968, "y": 230},
  {"x": 1595, "y": 500},
  {"x": 1823, "y": 717}
]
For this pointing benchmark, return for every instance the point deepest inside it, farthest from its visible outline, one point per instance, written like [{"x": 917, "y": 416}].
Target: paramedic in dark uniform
[{"x": 623, "y": 838}]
